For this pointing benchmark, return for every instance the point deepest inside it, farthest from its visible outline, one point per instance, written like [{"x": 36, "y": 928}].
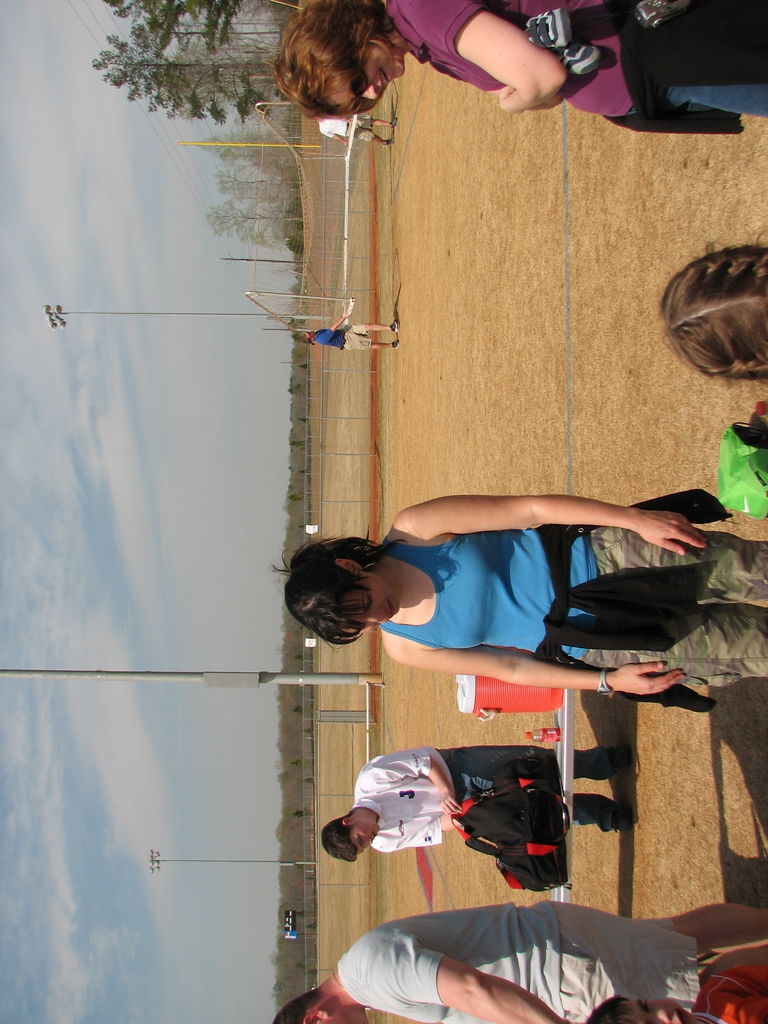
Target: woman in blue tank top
[{"x": 460, "y": 578}]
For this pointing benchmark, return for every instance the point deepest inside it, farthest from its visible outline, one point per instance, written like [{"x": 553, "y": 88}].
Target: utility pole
[
  {"x": 156, "y": 860},
  {"x": 218, "y": 679},
  {"x": 56, "y": 314}
]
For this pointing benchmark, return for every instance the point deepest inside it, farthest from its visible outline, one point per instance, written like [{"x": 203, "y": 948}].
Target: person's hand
[
  {"x": 668, "y": 530},
  {"x": 644, "y": 678},
  {"x": 554, "y": 101},
  {"x": 449, "y": 804}
]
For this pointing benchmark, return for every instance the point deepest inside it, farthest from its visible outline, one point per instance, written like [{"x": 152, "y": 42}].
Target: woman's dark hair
[
  {"x": 318, "y": 592},
  {"x": 716, "y": 313},
  {"x": 323, "y": 52}
]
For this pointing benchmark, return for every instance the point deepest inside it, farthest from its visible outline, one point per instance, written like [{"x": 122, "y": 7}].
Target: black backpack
[{"x": 522, "y": 822}]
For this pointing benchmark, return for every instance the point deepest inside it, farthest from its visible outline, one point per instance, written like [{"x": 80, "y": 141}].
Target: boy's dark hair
[
  {"x": 319, "y": 593},
  {"x": 616, "y": 1010},
  {"x": 337, "y": 842},
  {"x": 293, "y": 1011}
]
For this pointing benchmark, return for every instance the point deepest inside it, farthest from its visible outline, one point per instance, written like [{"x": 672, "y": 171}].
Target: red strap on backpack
[{"x": 507, "y": 875}]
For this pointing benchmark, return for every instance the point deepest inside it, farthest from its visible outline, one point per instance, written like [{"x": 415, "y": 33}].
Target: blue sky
[{"x": 144, "y": 468}]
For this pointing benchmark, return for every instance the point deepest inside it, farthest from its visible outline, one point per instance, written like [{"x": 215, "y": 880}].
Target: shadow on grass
[
  {"x": 615, "y": 721},
  {"x": 739, "y": 729}
]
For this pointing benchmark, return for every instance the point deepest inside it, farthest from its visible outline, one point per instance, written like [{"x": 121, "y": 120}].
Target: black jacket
[
  {"x": 632, "y": 606},
  {"x": 715, "y": 42}
]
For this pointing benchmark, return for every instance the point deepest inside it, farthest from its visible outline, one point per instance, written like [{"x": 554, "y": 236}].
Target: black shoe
[
  {"x": 620, "y": 756},
  {"x": 396, "y": 344},
  {"x": 622, "y": 818},
  {"x": 395, "y": 326}
]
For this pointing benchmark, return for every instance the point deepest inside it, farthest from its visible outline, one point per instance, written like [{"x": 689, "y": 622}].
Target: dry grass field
[{"x": 526, "y": 267}]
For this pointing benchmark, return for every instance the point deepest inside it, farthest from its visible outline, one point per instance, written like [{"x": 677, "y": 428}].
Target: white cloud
[
  {"x": 112, "y": 736},
  {"x": 41, "y": 893}
]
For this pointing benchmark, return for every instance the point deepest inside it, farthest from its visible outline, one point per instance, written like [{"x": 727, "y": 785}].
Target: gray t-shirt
[{"x": 394, "y": 967}]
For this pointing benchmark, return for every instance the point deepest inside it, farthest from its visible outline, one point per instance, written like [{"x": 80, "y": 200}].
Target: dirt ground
[{"x": 526, "y": 256}]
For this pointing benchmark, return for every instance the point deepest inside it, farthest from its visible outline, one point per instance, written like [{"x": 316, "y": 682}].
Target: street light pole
[
  {"x": 156, "y": 860},
  {"x": 56, "y": 314},
  {"x": 218, "y": 679}
]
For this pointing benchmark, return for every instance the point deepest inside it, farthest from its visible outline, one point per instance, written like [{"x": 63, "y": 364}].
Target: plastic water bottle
[{"x": 548, "y": 735}]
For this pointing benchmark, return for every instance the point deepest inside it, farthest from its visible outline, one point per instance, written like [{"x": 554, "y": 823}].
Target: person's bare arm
[
  {"x": 482, "y": 995},
  {"x": 508, "y": 101},
  {"x": 473, "y": 513},
  {"x": 339, "y": 322},
  {"x": 735, "y": 958},
  {"x": 517, "y": 667},
  {"x": 532, "y": 77}
]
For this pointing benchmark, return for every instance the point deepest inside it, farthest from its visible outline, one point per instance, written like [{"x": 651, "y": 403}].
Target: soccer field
[{"x": 526, "y": 256}]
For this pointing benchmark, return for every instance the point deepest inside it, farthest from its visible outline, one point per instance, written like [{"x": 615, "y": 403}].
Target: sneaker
[
  {"x": 396, "y": 344},
  {"x": 550, "y": 29},
  {"x": 620, "y": 757},
  {"x": 622, "y": 818},
  {"x": 395, "y": 326},
  {"x": 580, "y": 58}
]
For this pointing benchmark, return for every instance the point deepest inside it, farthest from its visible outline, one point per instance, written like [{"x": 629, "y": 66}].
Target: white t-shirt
[
  {"x": 331, "y": 126},
  {"x": 571, "y": 957},
  {"x": 395, "y": 786},
  {"x": 394, "y": 968}
]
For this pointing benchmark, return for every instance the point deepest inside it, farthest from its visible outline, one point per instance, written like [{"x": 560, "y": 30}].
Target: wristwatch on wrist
[{"x": 602, "y": 686}]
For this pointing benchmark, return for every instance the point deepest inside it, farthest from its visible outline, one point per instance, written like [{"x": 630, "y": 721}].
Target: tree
[
  {"x": 185, "y": 84},
  {"x": 244, "y": 222},
  {"x": 211, "y": 18},
  {"x": 183, "y": 57}
]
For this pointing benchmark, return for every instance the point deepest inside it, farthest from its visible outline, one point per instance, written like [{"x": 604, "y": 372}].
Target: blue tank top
[{"x": 490, "y": 588}]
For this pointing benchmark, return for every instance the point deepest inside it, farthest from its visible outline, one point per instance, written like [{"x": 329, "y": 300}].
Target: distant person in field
[
  {"x": 734, "y": 990},
  {"x": 407, "y": 798},
  {"x": 715, "y": 313},
  {"x": 355, "y": 339},
  {"x": 339, "y": 127}
]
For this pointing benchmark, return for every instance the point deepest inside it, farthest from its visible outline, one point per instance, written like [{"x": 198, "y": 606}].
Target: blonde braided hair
[{"x": 715, "y": 312}]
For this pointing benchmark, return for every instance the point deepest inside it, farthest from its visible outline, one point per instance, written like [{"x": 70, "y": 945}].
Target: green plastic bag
[{"x": 742, "y": 475}]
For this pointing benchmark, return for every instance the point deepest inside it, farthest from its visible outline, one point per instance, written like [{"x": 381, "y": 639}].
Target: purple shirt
[{"x": 431, "y": 26}]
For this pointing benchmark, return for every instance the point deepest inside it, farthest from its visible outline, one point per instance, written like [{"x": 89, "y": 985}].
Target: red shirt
[{"x": 737, "y": 996}]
